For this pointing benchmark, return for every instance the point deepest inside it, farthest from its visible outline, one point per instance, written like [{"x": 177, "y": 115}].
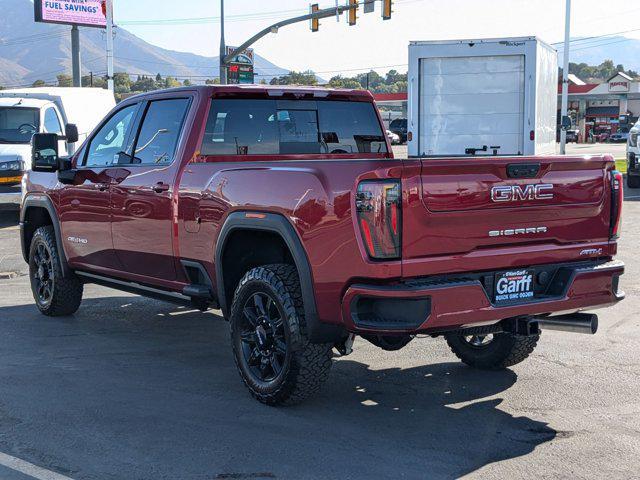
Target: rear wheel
[
  {"x": 54, "y": 294},
  {"x": 633, "y": 181},
  {"x": 275, "y": 359},
  {"x": 491, "y": 351}
]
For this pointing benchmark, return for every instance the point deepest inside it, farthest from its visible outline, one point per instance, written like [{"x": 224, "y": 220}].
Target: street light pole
[
  {"x": 565, "y": 80},
  {"x": 223, "y": 47},
  {"x": 110, "y": 84}
]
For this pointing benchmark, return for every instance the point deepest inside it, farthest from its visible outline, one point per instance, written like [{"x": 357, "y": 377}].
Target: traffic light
[
  {"x": 353, "y": 12},
  {"x": 386, "y": 9},
  {"x": 315, "y": 22}
]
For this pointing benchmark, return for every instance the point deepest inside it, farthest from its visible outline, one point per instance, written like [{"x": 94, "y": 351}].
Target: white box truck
[
  {"x": 45, "y": 110},
  {"x": 482, "y": 97}
]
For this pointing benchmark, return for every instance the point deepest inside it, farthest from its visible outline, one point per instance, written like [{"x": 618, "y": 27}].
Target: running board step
[
  {"x": 201, "y": 302},
  {"x": 202, "y": 292}
]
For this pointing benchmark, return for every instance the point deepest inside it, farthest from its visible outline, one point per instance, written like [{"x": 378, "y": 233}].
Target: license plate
[
  {"x": 11, "y": 180},
  {"x": 514, "y": 286}
]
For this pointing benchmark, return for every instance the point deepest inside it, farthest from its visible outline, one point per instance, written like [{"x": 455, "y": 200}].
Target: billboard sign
[
  {"x": 240, "y": 68},
  {"x": 85, "y": 13}
]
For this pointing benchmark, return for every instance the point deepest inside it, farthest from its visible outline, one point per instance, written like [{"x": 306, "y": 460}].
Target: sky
[{"x": 373, "y": 43}]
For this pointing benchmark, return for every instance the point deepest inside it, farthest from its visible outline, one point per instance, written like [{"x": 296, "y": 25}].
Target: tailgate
[{"x": 470, "y": 206}]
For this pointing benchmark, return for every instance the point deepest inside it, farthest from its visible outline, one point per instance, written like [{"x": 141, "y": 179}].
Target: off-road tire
[
  {"x": 505, "y": 350},
  {"x": 633, "y": 181},
  {"x": 66, "y": 294},
  {"x": 306, "y": 365}
]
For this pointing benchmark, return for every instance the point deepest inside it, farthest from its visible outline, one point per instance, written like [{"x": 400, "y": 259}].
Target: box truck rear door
[{"x": 469, "y": 102}]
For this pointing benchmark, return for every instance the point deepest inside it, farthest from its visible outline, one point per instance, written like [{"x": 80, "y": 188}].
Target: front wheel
[
  {"x": 492, "y": 351},
  {"x": 275, "y": 359},
  {"x": 55, "y": 295}
]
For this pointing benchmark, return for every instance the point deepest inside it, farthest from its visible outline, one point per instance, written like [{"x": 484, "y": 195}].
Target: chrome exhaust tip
[{"x": 586, "y": 323}]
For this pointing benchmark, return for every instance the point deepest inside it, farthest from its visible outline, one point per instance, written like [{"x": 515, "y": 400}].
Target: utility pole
[
  {"x": 223, "y": 48},
  {"x": 75, "y": 56},
  {"x": 565, "y": 82},
  {"x": 110, "y": 84}
]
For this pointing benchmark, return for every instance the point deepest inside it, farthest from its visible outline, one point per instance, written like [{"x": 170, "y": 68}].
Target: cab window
[
  {"x": 51, "y": 122},
  {"x": 292, "y": 127},
  {"x": 107, "y": 144},
  {"x": 160, "y": 132}
]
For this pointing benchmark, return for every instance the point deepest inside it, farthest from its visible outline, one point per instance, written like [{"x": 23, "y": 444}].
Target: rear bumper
[{"x": 429, "y": 306}]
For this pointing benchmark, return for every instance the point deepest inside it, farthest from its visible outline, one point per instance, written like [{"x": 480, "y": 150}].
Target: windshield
[{"x": 18, "y": 124}]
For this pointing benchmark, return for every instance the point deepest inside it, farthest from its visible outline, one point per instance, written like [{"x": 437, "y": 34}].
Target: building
[
  {"x": 602, "y": 109},
  {"x": 597, "y": 109}
]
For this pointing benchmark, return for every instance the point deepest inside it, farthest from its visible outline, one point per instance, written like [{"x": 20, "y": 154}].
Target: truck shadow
[{"x": 151, "y": 391}]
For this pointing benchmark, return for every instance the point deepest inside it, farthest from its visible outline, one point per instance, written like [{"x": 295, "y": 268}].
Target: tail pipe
[{"x": 576, "y": 323}]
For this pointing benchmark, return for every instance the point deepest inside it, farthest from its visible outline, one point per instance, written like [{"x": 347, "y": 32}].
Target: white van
[
  {"x": 633, "y": 157},
  {"x": 45, "y": 110}
]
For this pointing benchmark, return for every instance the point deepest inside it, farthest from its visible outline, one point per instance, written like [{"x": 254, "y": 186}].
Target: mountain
[
  {"x": 621, "y": 50},
  {"x": 32, "y": 51}
]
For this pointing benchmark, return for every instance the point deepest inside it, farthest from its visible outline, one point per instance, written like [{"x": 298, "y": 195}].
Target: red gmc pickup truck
[{"x": 286, "y": 209}]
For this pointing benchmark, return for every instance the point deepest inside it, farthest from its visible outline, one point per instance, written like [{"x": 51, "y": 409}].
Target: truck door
[
  {"x": 85, "y": 207},
  {"x": 142, "y": 206}
]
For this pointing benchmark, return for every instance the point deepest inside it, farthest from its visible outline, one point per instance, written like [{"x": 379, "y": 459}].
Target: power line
[
  {"x": 274, "y": 14},
  {"x": 596, "y": 38},
  {"x": 31, "y": 39}
]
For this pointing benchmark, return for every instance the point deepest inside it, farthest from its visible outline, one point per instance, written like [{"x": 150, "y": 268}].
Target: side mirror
[
  {"x": 66, "y": 173},
  {"x": 566, "y": 123},
  {"x": 72, "y": 133},
  {"x": 44, "y": 152}
]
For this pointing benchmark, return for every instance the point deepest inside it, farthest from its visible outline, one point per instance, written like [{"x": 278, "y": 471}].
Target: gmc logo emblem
[{"x": 516, "y": 193}]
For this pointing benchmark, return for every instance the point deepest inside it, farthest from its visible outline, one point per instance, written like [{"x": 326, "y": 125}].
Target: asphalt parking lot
[{"x": 131, "y": 388}]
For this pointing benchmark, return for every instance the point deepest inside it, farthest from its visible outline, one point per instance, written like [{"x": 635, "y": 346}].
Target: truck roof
[
  {"x": 23, "y": 102},
  {"x": 481, "y": 40},
  {"x": 270, "y": 91},
  {"x": 84, "y": 107}
]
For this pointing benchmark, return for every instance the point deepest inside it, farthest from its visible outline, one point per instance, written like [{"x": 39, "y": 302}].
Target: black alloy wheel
[
  {"x": 263, "y": 337},
  {"x": 275, "y": 359},
  {"x": 43, "y": 275},
  {"x": 55, "y": 293}
]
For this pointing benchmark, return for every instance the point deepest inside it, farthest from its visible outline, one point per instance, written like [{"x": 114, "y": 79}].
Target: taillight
[
  {"x": 379, "y": 210},
  {"x": 617, "y": 198}
]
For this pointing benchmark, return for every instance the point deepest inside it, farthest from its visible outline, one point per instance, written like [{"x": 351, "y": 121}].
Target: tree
[
  {"x": 296, "y": 78},
  {"x": 599, "y": 73},
  {"x": 64, "y": 80},
  {"x": 171, "y": 82},
  {"x": 122, "y": 82},
  {"x": 39, "y": 83},
  {"x": 371, "y": 80},
  {"x": 187, "y": 82},
  {"x": 394, "y": 77},
  {"x": 96, "y": 82},
  {"x": 143, "y": 84},
  {"x": 340, "y": 82}
]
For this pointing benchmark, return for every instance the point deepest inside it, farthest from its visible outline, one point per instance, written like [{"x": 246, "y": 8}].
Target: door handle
[{"x": 161, "y": 187}]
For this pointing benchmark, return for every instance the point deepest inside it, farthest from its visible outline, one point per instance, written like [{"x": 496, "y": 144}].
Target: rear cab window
[{"x": 292, "y": 127}]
